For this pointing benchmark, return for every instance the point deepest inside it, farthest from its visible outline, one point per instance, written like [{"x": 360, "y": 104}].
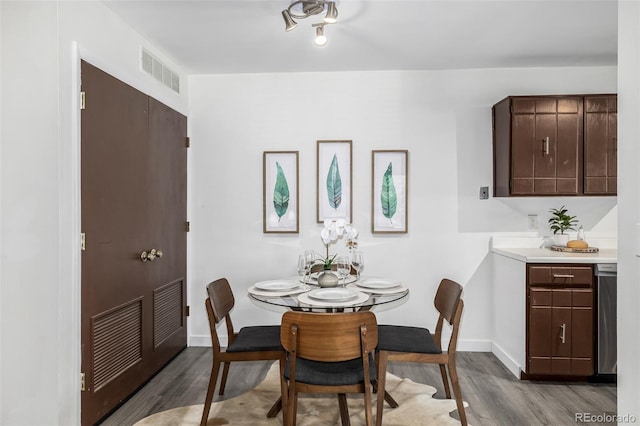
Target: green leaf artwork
[
  {"x": 280, "y": 193},
  {"x": 388, "y": 197},
  {"x": 334, "y": 184}
]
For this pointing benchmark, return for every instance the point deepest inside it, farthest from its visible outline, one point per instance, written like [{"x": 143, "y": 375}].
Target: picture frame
[
  {"x": 280, "y": 192},
  {"x": 334, "y": 180},
  {"x": 389, "y": 189}
]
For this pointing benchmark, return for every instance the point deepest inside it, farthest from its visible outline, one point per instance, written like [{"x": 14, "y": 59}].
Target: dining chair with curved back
[
  {"x": 416, "y": 344},
  {"x": 254, "y": 343},
  {"x": 328, "y": 353}
]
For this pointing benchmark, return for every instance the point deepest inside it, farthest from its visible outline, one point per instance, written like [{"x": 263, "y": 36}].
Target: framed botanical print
[
  {"x": 280, "y": 192},
  {"x": 334, "y": 180},
  {"x": 389, "y": 191}
]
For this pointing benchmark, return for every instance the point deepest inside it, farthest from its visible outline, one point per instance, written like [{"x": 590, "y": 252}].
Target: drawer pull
[
  {"x": 562, "y": 275},
  {"x": 563, "y": 329}
]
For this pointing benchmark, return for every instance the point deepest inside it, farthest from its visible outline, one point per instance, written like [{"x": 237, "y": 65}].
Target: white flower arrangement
[{"x": 332, "y": 232}]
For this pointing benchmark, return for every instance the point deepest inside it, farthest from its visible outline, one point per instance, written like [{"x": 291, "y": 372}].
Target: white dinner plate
[
  {"x": 377, "y": 283},
  {"x": 276, "y": 285},
  {"x": 333, "y": 294}
]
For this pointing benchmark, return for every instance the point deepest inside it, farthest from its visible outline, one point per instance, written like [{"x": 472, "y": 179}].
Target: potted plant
[
  {"x": 561, "y": 221},
  {"x": 333, "y": 230}
]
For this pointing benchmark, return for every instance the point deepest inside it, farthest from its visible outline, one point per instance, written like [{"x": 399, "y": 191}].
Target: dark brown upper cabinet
[
  {"x": 540, "y": 143},
  {"x": 600, "y": 144}
]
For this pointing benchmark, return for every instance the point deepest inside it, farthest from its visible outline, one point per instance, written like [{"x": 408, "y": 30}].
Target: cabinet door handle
[
  {"x": 545, "y": 142},
  {"x": 563, "y": 329},
  {"x": 562, "y": 275}
]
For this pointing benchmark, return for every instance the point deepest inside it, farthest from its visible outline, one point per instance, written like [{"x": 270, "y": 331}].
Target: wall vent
[{"x": 156, "y": 69}]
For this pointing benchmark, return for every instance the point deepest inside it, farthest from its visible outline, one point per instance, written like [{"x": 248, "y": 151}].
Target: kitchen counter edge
[{"x": 545, "y": 255}]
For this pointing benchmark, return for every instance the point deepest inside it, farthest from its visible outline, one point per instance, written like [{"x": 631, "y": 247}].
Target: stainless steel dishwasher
[{"x": 607, "y": 365}]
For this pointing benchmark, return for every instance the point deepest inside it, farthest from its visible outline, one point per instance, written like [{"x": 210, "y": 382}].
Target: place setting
[
  {"x": 377, "y": 285},
  {"x": 333, "y": 296},
  {"x": 278, "y": 288}
]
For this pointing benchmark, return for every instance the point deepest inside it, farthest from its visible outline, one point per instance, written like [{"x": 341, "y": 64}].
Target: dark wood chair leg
[
  {"x": 381, "y": 361},
  {"x": 392, "y": 402},
  {"x": 210, "y": 392},
  {"x": 457, "y": 392},
  {"x": 344, "y": 409},
  {"x": 225, "y": 373},
  {"x": 445, "y": 380},
  {"x": 284, "y": 392},
  {"x": 293, "y": 409},
  {"x": 368, "y": 405},
  {"x": 275, "y": 408}
]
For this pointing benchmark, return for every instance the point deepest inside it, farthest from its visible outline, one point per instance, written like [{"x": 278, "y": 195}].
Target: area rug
[{"x": 417, "y": 407}]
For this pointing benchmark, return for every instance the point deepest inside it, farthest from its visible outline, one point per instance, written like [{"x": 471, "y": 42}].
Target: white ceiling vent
[{"x": 156, "y": 69}]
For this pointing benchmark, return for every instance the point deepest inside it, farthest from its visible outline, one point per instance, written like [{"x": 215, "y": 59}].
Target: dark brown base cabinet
[
  {"x": 555, "y": 145},
  {"x": 560, "y": 320}
]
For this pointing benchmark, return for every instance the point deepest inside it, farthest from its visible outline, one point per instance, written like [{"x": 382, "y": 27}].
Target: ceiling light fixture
[
  {"x": 302, "y": 9},
  {"x": 321, "y": 39}
]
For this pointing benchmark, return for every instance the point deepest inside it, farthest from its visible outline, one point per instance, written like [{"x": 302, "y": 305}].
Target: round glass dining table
[{"x": 367, "y": 293}]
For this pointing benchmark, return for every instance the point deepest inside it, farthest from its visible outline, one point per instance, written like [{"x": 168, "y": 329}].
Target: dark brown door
[
  {"x": 600, "y": 145},
  {"x": 133, "y": 200}
]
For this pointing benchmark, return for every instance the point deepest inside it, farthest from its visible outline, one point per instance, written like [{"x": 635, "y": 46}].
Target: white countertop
[{"x": 545, "y": 255}]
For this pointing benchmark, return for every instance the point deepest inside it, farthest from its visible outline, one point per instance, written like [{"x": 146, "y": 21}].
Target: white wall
[
  {"x": 42, "y": 43},
  {"x": 442, "y": 117},
  {"x": 629, "y": 208}
]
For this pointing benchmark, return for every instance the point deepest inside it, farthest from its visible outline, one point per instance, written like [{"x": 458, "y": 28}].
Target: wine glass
[
  {"x": 309, "y": 260},
  {"x": 358, "y": 262},
  {"x": 302, "y": 266},
  {"x": 343, "y": 265}
]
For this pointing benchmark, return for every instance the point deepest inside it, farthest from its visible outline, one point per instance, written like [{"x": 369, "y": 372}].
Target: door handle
[
  {"x": 545, "y": 142},
  {"x": 563, "y": 275},
  {"x": 563, "y": 330},
  {"x": 150, "y": 255}
]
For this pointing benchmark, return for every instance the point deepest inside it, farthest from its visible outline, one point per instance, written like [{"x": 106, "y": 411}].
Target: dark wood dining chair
[
  {"x": 255, "y": 343},
  {"x": 416, "y": 344},
  {"x": 328, "y": 353}
]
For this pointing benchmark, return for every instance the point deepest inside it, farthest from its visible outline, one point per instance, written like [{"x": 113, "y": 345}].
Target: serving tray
[{"x": 575, "y": 249}]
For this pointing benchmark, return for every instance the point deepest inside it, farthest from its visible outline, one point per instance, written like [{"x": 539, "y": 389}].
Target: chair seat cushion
[
  {"x": 257, "y": 338},
  {"x": 396, "y": 338},
  {"x": 330, "y": 373}
]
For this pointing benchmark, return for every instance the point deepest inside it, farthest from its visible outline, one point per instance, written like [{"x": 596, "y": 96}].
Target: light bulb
[
  {"x": 332, "y": 13},
  {"x": 321, "y": 39}
]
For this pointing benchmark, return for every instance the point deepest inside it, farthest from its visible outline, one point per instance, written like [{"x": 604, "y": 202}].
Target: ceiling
[{"x": 243, "y": 36}]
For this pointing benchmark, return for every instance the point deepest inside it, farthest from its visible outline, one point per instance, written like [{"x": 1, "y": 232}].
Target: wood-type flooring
[{"x": 494, "y": 395}]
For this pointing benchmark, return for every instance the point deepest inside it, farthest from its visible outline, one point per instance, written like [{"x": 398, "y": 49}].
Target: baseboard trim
[
  {"x": 205, "y": 341},
  {"x": 472, "y": 345},
  {"x": 506, "y": 360}
]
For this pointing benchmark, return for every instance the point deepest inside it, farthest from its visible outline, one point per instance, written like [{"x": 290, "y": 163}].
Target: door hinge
[
  {"x": 82, "y": 100},
  {"x": 83, "y": 241},
  {"x": 187, "y": 226},
  {"x": 187, "y": 310},
  {"x": 188, "y": 142},
  {"x": 83, "y": 386}
]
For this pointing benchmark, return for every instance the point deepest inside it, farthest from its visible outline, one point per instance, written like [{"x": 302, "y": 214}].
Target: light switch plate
[{"x": 484, "y": 192}]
